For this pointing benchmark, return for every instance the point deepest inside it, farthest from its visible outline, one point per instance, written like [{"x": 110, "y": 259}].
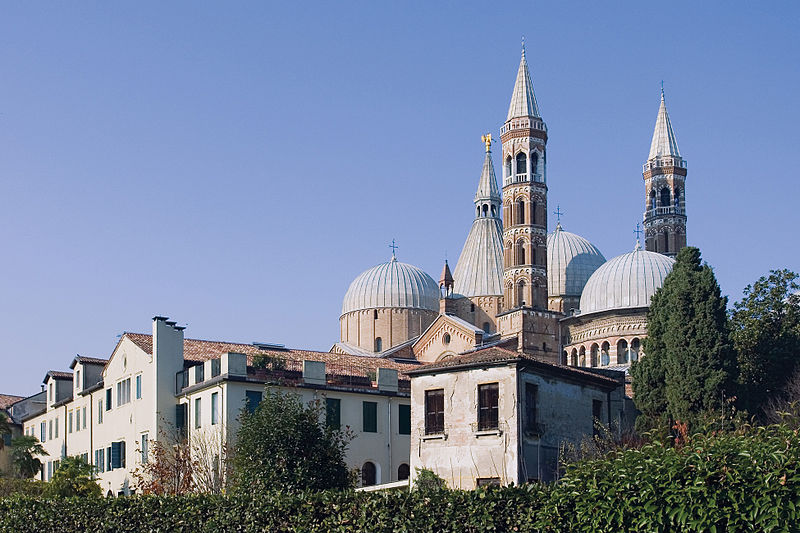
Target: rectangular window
[
  {"x": 333, "y": 412},
  {"x": 145, "y": 447},
  {"x": 214, "y": 408},
  {"x": 99, "y": 411},
  {"x": 77, "y": 419},
  {"x": 77, "y": 380},
  {"x": 181, "y": 418},
  {"x": 56, "y": 464},
  {"x": 124, "y": 391},
  {"x": 215, "y": 368},
  {"x": 139, "y": 387},
  {"x": 487, "y": 481},
  {"x": 43, "y": 432},
  {"x": 56, "y": 432},
  {"x": 370, "y": 412},
  {"x": 252, "y": 399},
  {"x": 487, "y": 406},
  {"x": 404, "y": 419},
  {"x": 97, "y": 463},
  {"x": 530, "y": 407},
  {"x": 84, "y": 417},
  {"x": 597, "y": 415},
  {"x": 69, "y": 422},
  {"x": 50, "y": 430},
  {"x": 49, "y": 470},
  {"x": 197, "y": 406},
  {"x": 118, "y": 454},
  {"x": 434, "y": 411},
  {"x": 108, "y": 459},
  {"x": 108, "y": 399},
  {"x": 199, "y": 373}
]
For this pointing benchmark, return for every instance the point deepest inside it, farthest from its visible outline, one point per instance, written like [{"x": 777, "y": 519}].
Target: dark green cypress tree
[
  {"x": 689, "y": 342},
  {"x": 647, "y": 374}
]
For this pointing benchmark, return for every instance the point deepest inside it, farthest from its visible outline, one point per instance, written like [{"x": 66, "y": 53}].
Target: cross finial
[
  {"x": 394, "y": 248},
  {"x": 637, "y": 231},
  {"x": 487, "y": 140},
  {"x": 558, "y": 212}
]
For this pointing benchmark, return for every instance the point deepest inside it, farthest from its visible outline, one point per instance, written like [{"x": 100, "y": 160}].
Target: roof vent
[{"x": 270, "y": 346}]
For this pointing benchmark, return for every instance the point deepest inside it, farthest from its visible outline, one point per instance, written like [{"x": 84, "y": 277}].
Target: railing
[
  {"x": 523, "y": 123},
  {"x": 661, "y": 162},
  {"x": 671, "y": 210}
]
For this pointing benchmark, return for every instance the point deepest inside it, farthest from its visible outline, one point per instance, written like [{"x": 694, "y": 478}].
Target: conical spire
[
  {"x": 523, "y": 101},
  {"x": 664, "y": 143},
  {"x": 487, "y": 186},
  {"x": 446, "y": 280}
]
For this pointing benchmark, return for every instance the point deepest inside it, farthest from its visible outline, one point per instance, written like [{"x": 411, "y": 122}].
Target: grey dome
[
  {"x": 571, "y": 260},
  {"x": 626, "y": 281},
  {"x": 392, "y": 284}
]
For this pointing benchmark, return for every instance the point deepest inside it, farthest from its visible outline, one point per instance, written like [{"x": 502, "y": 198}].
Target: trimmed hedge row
[{"x": 724, "y": 483}]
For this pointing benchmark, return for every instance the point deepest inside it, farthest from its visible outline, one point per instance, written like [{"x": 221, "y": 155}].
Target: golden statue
[{"x": 487, "y": 140}]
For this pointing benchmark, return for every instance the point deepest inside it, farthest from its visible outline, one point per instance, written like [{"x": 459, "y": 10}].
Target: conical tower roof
[
  {"x": 446, "y": 279},
  {"x": 523, "y": 101},
  {"x": 664, "y": 142},
  {"x": 479, "y": 271}
]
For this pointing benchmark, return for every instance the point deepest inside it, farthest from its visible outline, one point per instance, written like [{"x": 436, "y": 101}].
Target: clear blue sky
[{"x": 235, "y": 165}]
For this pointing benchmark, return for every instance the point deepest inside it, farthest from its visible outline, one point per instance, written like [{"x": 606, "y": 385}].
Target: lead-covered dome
[
  {"x": 626, "y": 281},
  {"x": 571, "y": 260},
  {"x": 392, "y": 284}
]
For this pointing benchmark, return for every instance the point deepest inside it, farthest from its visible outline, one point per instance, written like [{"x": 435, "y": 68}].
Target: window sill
[
  {"x": 435, "y": 436},
  {"x": 488, "y": 432}
]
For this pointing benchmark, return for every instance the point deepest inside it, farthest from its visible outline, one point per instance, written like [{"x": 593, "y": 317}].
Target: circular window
[{"x": 446, "y": 338}]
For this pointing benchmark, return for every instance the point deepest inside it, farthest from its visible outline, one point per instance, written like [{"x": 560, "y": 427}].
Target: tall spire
[
  {"x": 487, "y": 186},
  {"x": 523, "y": 101},
  {"x": 664, "y": 143}
]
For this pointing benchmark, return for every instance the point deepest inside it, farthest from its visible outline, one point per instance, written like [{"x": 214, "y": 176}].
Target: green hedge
[{"x": 724, "y": 483}]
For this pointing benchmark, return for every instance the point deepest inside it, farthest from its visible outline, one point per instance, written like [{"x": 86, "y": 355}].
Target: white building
[{"x": 109, "y": 411}]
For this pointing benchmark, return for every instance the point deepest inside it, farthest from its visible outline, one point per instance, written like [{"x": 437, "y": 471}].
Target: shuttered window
[
  {"x": 370, "y": 417},
  {"x": 487, "y": 406},
  {"x": 404, "y": 420},
  {"x": 434, "y": 411},
  {"x": 333, "y": 412}
]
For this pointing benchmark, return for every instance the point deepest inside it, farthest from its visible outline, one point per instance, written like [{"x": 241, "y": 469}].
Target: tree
[
  {"x": 169, "y": 468},
  {"x": 765, "y": 329},
  {"x": 74, "y": 477},
  {"x": 24, "y": 450},
  {"x": 427, "y": 481},
  {"x": 286, "y": 445},
  {"x": 688, "y": 343},
  {"x": 5, "y": 429}
]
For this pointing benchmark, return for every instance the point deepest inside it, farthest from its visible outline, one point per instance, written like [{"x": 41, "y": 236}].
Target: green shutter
[
  {"x": 333, "y": 412},
  {"x": 370, "y": 417},
  {"x": 404, "y": 423}
]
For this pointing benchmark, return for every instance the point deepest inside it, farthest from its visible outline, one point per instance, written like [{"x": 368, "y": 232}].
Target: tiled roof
[
  {"x": 498, "y": 355},
  {"x": 58, "y": 374},
  {"x": 7, "y": 399},
  {"x": 91, "y": 360},
  {"x": 202, "y": 350}
]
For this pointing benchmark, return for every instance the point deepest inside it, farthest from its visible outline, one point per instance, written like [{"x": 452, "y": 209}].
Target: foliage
[
  {"x": 604, "y": 441},
  {"x": 5, "y": 429},
  {"x": 24, "y": 450},
  {"x": 20, "y": 487},
  {"x": 733, "y": 481},
  {"x": 765, "y": 329},
  {"x": 74, "y": 477},
  {"x": 269, "y": 362},
  {"x": 286, "y": 445},
  {"x": 690, "y": 366},
  {"x": 170, "y": 466},
  {"x": 427, "y": 480}
]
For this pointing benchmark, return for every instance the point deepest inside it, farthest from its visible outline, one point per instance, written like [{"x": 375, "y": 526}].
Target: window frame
[
  {"x": 371, "y": 417},
  {"x": 434, "y": 411},
  {"x": 333, "y": 412},
  {"x": 489, "y": 406},
  {"x": 404, "y": 419}
]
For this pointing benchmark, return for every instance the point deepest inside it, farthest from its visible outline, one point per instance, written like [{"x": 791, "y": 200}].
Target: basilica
[{"x": 553, "y": 296}]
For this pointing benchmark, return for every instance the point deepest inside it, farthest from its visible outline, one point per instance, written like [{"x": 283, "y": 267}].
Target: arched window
[
  {"x": 574, "y": 360},
  {"x": 582, "y": 356},
  {"x": 652, "y": 199},
  {"x": 533, "y": 253},
  {"x": 666, "y": 242},
  {"x": 519, "y": 216},
  {"x": 378, "y": 344},
  {"x": 677, "y": 198},
  {"x": 535, "y": 295},
  {"x": 521, "y": 293},
  {"x": 507, "y": 249},
  {"x": 622, "y": 352},
  {"x": 472, "y": 308},
  {"x": 487, "y": 328},
  {"x": 446, "y": 338},
  {"x": 534, "y": 164},
  {"x": 508, "y": 166},
  {"x": 478, "y": 211},
  {"x": 594, "y": 355},
  {"x": 485, "y": 209},
  {"x": 665, "y": 197},
  {"x": 533, "y": 212},
  {"x": 635, "y": 347},
  {"x": 522, "y": 163},
  {"x": 494, "y": 211},
  {"x": 519, "y": 252},
  {"x": 604, "y": 357},
  {"x": 564, "y": 358},
  {"x": 368, "y": 474},
  {"x": 402, "y": 472},
  {"x": 375, "y": 315}
]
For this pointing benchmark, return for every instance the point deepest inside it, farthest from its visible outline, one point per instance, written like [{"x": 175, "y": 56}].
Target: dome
[
  {"x": 626, "y": 281},
  {"x": 392, "y": 284},
  {"x": 571, "y": 260}
]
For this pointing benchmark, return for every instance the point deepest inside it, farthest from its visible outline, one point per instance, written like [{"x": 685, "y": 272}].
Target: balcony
[{"x": 670, "y": 210}]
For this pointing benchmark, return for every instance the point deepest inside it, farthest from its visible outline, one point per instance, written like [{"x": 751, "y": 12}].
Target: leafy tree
[
  {"x": 170, "y": 466},
  {"x": 765, "y": 329},
  {"x": 427, "y": 481},
  {"x": 687, "y": 343},
  {"x": 286, "y": 445},
  {"x": 5, "y": 429},
  {"x": 24, "y": 450},
  {"x": 74, "y": 477}
]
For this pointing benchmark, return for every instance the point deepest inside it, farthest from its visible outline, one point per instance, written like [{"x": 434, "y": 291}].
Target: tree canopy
[
  {"x": 74, "y": 477},
  {"x": 286, "y": 445},
  {"x": 689, "y": 367},
  {"x": 5, "y": 429},
  {"x": 765, "y": 329},
  {"x": 24, "y": 450}
]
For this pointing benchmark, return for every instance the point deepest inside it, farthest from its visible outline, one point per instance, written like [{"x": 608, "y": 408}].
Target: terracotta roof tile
[
  {"x": 6, "y": 400},
  {"x": 91, "y": 360},
  {"x": 203, "y": 350},
  {"x": 58, "y": 374}
]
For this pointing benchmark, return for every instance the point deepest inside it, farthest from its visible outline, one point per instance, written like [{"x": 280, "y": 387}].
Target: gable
[{"x": 447, "y": 336}]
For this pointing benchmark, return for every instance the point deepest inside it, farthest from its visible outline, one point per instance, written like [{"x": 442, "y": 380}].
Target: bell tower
[
  {"x": 664, "y": 176},
  {"x": 524, "y": 137}
]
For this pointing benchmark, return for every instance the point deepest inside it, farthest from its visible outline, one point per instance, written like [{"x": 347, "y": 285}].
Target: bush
[
  {"x": 73, "y": 478},
  {"x": 20, "y": 487}
]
